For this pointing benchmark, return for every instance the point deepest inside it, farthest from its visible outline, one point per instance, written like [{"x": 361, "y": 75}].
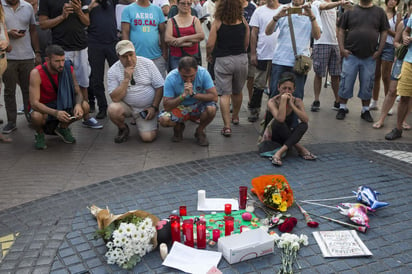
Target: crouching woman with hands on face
[{"x": 284, "y": 107}]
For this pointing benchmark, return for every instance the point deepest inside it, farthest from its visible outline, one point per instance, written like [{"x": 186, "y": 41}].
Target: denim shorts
[
  {"x": 388, "y": 53},
  {"x": 80, "y": 60},
  {"x": 351, "y": 67}
]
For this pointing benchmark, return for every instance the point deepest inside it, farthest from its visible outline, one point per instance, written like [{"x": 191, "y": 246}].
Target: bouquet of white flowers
[
  {"x": 128, "y": 236},
  {"x": 290, "y": 245}
]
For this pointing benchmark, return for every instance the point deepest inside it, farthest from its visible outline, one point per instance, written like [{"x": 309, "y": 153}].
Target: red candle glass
[
  {"x": 229, "y": 225},
  {"x": 201, "y": 234},
  {"x": 188, "y": 232},
  {"x": 182, "y": 211},
  {"x": 175, "y": 228},
  {"x": 242, "y": 197},
  {"x": 228, "y": 209},
  {"x": 216, "y": 234}
]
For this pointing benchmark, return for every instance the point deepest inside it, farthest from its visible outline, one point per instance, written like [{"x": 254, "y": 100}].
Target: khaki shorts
[
  {"x": 81, "y": 66},
  {"x": 141, "y": 124},
  {"x": 231, "y": 74},
  {"x": 262, "y": 76}
]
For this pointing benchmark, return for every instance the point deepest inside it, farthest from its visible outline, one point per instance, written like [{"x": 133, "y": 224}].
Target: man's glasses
[{"x": 185, "y": 3}]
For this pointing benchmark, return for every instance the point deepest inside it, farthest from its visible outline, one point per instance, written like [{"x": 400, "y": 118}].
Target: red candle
[
  {"x": 216, "y": 234},
  {"x": 228, "y": 209},
  {"x": 201, "y": 234},
  {"x": 182, "y": 211},
  {"x": 188, "y": 232},
  {"x": 229, "y": 225},
  {"x": 175, "y": 227},
  {"x": 242, "y": 197}
]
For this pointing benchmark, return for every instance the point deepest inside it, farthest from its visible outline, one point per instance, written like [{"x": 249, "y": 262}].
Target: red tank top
[
  {"x": 186, "y": 31},
  {"x": 47, "y": 92}
]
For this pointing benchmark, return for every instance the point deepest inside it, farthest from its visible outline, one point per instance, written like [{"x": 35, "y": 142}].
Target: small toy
[
  {"x": 368, "y": 196},
  {"x": 357, "y": 213}
]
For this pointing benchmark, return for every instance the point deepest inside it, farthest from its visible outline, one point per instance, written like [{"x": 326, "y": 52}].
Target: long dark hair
[{"x": 229, "y": 11}]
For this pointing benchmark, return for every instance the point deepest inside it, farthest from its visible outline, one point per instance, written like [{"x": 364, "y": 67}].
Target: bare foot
[{"x": 377, "y": 125}]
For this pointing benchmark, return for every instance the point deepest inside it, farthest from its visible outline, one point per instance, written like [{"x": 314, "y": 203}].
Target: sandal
[
  {"x": 308, "y": 156},
  {"x": 226, "y": 131},
  {"x": 377, "y": 125},
  {"x": 235, "y": 121},
  {"x": 4, "y": 139},
  {"x": 276, "y": 161}
]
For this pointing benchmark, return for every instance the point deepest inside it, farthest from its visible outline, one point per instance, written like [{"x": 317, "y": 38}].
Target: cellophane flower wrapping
[
  {"x": 128, "y": 236},
  {"x": 273, "y": 191}
]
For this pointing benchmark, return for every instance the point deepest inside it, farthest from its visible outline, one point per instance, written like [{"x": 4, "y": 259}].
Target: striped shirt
[{"x": 147, "y": 78}]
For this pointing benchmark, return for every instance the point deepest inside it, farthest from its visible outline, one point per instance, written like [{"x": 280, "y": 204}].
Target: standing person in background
[
  {"x": 395, "y": 74},
  {"x": 262, "y": 47},
  {"x": 360, "y": 31},
  {"x": 384, "y": 62},
  {"x": 67, "y": 21},
  {"x": 144, "y": 25},
  {"x": 230, "y": 34},
  {"x": 325, "y": 54},
  {"x": 404, "y": 85},
  {"x": 23, "y": 52},
  {"x": 4, "y": 43},
  {"x": 209, "y": 7},
  {"x": 183, "y": 34},
  {"x": 102, "y": 39}
]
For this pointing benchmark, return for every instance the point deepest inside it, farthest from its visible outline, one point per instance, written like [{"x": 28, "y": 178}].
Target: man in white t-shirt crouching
[{"x": 135, "y": 86}]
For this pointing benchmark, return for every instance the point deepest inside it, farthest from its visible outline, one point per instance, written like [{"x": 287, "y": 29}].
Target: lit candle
[
  {"x": 228, "y": 209},
  {"x": 242, "y": 197},
  {"x": 182, "y": 211},
  {"x": 229, "y": 225},
  {"x": 201, "y": 234},
  {"x": 216, "y": 234}
]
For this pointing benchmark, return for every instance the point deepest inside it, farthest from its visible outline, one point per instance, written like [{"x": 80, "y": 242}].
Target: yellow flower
[
  {"x": 283, "y": 206},
  {"x": 276, "y": 198}
]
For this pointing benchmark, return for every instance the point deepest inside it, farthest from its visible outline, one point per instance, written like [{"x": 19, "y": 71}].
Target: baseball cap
[{"x": 124, "y": 46}]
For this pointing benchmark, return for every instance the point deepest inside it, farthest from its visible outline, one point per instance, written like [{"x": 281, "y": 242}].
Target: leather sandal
[{"x": 226, "y": 131}]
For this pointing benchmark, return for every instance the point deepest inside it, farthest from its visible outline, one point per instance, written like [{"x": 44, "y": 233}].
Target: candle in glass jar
[
  {"x": 182, "y": 211},
  {"x": 175, "y": 228},
  {"x": 242, "y": 197},
  {"x": 228, "y": 209},
  {"x": 188, "y": 232},
  {"x": 201, "y": 234},
  {"x": 216, "y": 234},
  {"x": 229, "y": 225}
]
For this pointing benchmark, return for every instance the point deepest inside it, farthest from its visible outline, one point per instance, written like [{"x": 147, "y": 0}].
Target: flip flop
[
  {"x": 227, "y": 132},
  {"x": 308, "y": 156},
  {"x": 276, "y": 161},
  {"x": 377, "y": 125},
  {"x": 4, "y": 139},
  {"x": 235, "y": 121}
]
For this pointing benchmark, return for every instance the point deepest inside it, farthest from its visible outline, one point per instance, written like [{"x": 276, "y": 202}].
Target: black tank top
[{"x": 230, "y": 40}]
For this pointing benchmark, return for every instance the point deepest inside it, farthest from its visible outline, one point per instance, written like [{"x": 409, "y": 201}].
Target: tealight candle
[
  {"x": 228, "y": 209},
  {"x": 216, "y": 234}
]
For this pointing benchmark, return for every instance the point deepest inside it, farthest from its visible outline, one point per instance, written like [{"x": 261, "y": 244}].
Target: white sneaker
[
  {"x": 390, "y": 112},
  {"x": 398, "y": 98}
]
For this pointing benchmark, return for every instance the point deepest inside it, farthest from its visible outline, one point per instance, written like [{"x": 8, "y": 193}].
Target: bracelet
[
  {"x": 181, "y": 97},
  {"x": 155, "y": 108}
]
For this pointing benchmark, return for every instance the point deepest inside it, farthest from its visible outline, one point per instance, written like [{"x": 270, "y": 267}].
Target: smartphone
[
  {"x": 72, "y": 117},
  {"x": 22, "y": 31},
  {"x": 295, "y": 10},
  {"x": 143, "y": 114}
]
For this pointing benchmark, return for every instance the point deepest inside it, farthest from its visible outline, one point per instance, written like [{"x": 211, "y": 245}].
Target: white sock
[
  {"x": 365, "y": 108},
  {"x": 342, "y": 106}
]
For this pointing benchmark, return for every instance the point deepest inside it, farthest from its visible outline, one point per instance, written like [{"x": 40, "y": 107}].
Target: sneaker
[
  {"x": 367, "y": 116},
  {"x": 390, "y": 112},
  {"x": 92, "y": 123},
  {"x": 178, "y": 132},
  {"x": 65, "y": 134},
  {"x": 7, "y": 129},
  {"x": 373, "y": 105},
  {"x": 336, "y": 106},
  {"x": 201, "y": 139},
  {"x": 254, "y": 115},
  {"x": 122, "y": 135},
  {"x": 40, "y": 142},
  {"x": 101, "y": 114},
  {"x": 394, "y": 134},
  {"x": 341, "y": 114},
  {"x": 315, "y": 106},
  {"x": 20, "y": 111}
]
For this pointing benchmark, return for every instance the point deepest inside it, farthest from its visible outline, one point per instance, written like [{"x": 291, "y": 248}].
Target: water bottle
[{"x": 396, "y": 69}]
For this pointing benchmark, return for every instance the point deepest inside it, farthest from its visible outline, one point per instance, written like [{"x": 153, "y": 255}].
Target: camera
[
  {"x": 295, "y": 10},
  {"x": 143, "y": 114}
]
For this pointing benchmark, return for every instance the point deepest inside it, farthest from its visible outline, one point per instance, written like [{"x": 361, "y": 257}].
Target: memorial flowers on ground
[{"x": 289, "y": 245}]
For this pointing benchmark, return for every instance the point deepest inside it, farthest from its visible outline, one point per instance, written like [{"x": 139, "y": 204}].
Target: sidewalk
[{"x": 44, "y": 194}]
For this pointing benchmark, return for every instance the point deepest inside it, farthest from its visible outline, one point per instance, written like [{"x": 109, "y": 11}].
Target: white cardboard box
[{"x": 247, "y": 245}]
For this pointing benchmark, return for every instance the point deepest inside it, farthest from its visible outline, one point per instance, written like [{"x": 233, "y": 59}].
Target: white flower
[
  {"x": 109, "y": 245},
  {"x": 303, "y": 239}
]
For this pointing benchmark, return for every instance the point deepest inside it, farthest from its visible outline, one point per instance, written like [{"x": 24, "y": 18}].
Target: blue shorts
[
  {"x": 351, "y": 67},
  {"x": 388, "y": 53},
  {"x": 275, "y": 75}
]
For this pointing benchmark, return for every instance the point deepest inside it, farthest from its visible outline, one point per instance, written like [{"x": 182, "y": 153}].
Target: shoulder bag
[{"x": 303, "y": 63}]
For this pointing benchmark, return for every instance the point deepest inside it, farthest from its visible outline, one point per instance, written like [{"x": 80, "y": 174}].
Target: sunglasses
[{"x": 132, "y": 82}]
